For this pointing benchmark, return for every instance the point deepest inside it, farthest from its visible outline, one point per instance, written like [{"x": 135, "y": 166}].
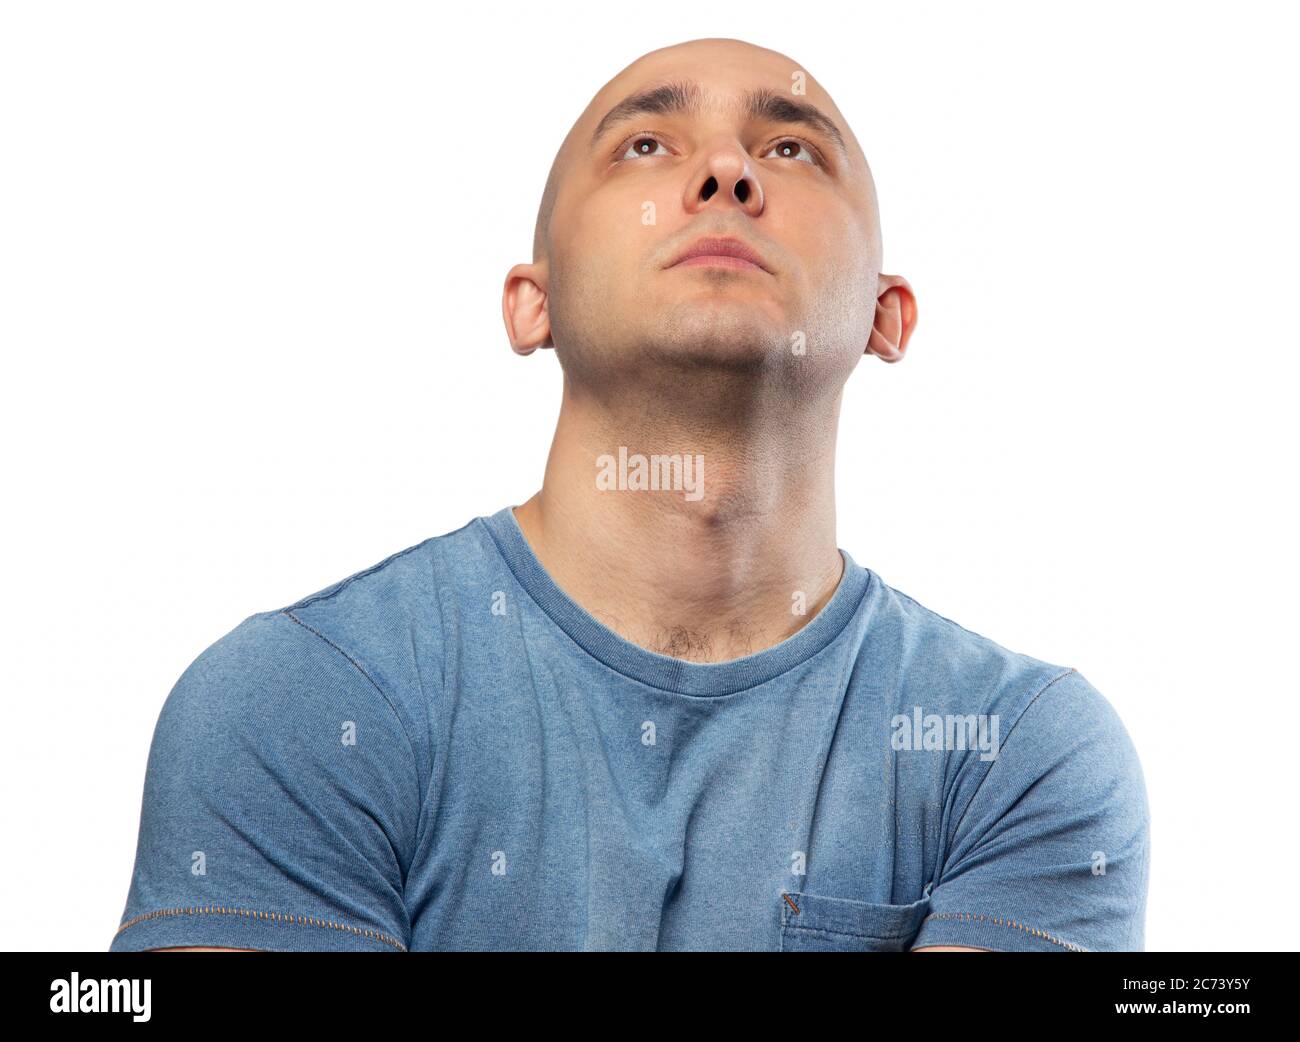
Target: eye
[
  {"x": 790, "y": 149},
  {"x": 643, "y": 145}
]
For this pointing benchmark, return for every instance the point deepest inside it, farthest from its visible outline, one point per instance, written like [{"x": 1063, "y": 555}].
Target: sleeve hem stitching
[
  {"x": 275, "y": 917},
  {"x": 978, "y": 917}
]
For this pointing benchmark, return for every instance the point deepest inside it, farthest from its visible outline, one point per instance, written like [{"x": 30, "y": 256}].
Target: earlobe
[{"x": 524, "y": 308}]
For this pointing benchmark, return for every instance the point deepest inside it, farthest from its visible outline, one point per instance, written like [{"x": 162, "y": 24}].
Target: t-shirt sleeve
[
  {"x": 281, "y": 801},
  {"x": 1052, "y": 851}
]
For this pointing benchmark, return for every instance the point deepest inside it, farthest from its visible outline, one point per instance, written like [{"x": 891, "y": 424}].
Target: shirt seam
[
  {"x": 415, "y": 759},
  {"x": 971, "y": 802},
  {"x": 1010, "y": 923},
  {"x": 429, "y": 796},
  {"x": 273, "y": 917},
  {"x": 790, "y": 924},
  {"x": 343, "y": 584}
]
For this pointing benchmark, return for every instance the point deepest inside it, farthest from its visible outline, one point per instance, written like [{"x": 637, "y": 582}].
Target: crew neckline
[{"x": 708, "y": 679}]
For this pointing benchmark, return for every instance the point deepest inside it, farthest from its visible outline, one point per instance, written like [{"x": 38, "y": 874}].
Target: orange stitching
[
  {"x": 973, "y": 916},
  {"x": 277, "y": 917}
]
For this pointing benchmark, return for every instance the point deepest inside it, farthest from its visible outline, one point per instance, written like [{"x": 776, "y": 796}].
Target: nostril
[
  {"x": 710, "y": 186},
  {"x": 742, "y": 191}
]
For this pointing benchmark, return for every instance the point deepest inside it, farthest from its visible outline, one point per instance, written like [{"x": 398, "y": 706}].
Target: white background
[{"x": 251, "y": 258}]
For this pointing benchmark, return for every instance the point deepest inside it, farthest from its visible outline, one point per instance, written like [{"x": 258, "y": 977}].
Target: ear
[
  {"x": 895, "y": 319},
  {"x": 523, "y": 306}
]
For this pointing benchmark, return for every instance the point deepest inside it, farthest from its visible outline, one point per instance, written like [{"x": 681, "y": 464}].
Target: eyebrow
[{"x": 686, "y": 97}]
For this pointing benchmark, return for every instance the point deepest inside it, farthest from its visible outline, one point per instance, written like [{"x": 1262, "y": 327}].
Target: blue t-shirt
[{"x": 444, "y": 751}]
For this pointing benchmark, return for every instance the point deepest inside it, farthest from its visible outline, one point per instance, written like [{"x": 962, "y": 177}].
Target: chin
[{"x": 729, "y": 333}]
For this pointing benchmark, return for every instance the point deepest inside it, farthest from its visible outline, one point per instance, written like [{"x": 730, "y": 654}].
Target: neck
[{"x": 715, "y": 570}]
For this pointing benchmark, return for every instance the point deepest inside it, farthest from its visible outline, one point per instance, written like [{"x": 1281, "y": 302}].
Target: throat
[
  {"x": 700, "y": 646},
  {"x": 721, "y": 642}
]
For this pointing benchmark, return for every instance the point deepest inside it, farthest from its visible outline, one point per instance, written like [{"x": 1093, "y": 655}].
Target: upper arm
[
  {"x": 1051, "y": 853},
  {"x": 281, "y": 801}
]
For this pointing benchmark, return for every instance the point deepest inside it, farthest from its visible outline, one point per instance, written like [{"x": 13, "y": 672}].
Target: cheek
[
  {"x": 822, "y": 231},
  {"x": 593, "y": 275},
  {"x": 835, "y": 255},
  {"x": 615, "y": 227}
]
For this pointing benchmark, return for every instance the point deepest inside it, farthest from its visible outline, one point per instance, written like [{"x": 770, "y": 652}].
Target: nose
[{"x": 726, "y": 178}]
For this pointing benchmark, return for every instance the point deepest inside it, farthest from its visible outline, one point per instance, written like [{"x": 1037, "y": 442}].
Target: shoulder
[
  {"x": 373, "y": 637},
  {"x": 378, "y": 609},
  {"x": 955, "y": 668},
  {"x": 387, "y": 618},
  {"x": 1046, "y": 819},
  {"x": 1040, "y": 715}
]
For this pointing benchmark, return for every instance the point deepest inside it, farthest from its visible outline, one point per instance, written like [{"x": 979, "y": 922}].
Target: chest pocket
[{"x": 838, "y": 924}]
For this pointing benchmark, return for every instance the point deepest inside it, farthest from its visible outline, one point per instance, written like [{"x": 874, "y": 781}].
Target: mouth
[{"x": 719, "y": 252}]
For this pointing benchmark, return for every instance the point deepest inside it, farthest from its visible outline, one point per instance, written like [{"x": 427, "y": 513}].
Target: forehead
[{"x": 725, "y": 71}]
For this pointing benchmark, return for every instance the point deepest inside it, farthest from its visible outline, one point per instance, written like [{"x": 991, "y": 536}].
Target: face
[{"x": 710, "y": 141}]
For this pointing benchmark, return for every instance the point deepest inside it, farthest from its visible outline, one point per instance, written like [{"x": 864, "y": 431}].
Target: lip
[{"x": 722, "y": 251}]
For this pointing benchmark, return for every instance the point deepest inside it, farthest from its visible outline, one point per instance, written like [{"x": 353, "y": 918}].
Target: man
[{"x": 655, "y": 706}]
